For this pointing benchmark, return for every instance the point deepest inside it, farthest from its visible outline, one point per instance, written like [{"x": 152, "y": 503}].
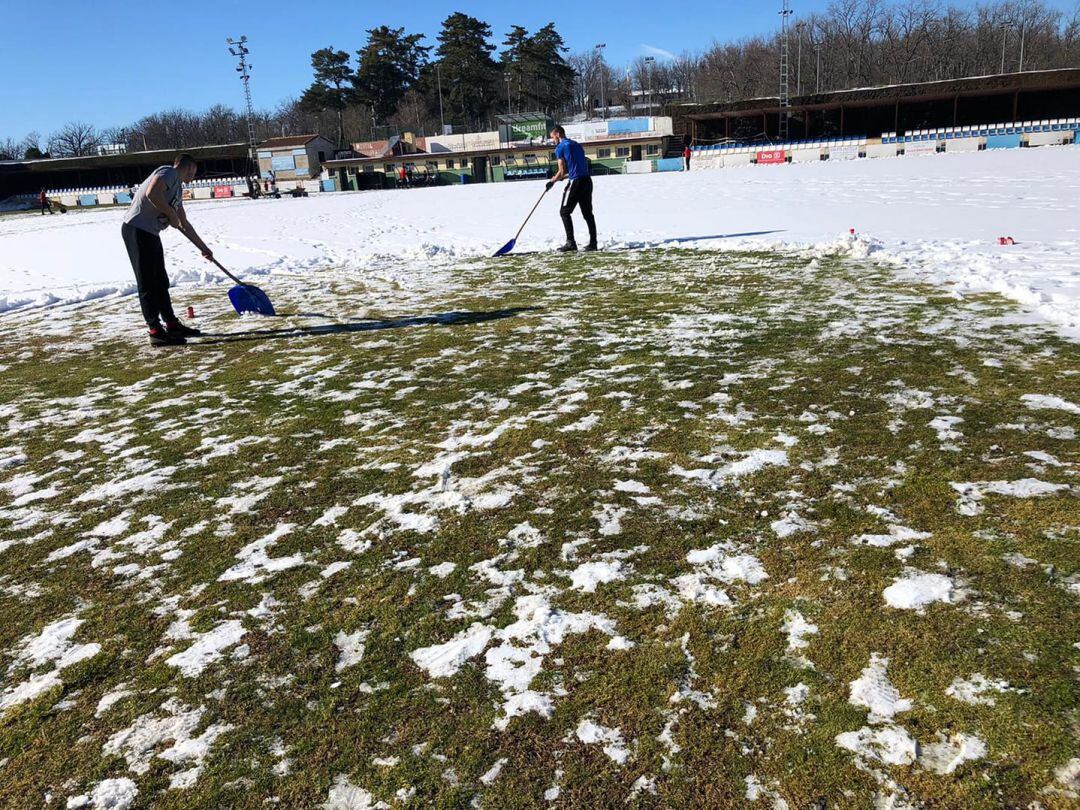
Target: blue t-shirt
[{"x": 574, "y": 157}]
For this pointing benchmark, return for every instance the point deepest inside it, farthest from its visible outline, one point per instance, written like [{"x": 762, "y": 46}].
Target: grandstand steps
[{"x": 675, "y": 146}]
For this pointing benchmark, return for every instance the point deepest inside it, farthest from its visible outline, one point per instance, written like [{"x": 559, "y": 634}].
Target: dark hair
[
  {"x": 184, "y": 160},
  {"x": 560, "y": 130}
]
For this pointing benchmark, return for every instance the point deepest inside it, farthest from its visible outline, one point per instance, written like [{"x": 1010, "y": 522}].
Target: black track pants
[
  {"x": 578, "y": 192},
  {"x": 148, "y": 261}
]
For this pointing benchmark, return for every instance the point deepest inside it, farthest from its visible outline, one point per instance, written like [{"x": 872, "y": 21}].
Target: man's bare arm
[{"x": 156, "y": 194}]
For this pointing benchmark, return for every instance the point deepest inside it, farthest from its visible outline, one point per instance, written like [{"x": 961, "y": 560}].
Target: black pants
[
  {"x": 578, "y": 192},
  {"x": 148, "y": 261},
  {"x": 46, "y": 206}
]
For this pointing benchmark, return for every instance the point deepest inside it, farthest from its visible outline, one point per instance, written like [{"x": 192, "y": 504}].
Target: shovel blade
[
  {"x": 249, "y": 298},
  {"x": 506, "y": 248}
]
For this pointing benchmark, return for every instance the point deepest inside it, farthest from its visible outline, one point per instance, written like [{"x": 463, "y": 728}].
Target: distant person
[
  {"x": 687, "y": 153},
  {"x": 43, "y": 201},
  {"x": 158, "y": 203},
  {"x": 573, "y": 165},
  {"x": 403, "y": 177}
]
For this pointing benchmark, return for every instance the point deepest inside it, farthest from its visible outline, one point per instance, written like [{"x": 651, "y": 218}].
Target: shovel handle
[{"x": 219, "y": 265}]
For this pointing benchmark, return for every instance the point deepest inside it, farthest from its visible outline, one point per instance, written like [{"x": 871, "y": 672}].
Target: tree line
[{"x": 394, "y": 82}]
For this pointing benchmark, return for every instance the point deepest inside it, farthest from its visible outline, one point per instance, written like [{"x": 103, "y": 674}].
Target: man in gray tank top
[{"x": 157, "y": 204}]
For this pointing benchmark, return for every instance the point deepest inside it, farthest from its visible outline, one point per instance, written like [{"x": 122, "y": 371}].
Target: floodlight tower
[
  {"x": 239, "y": 49},
  {"x": 603, "y": 70},
  {"x": 785, "y": 72}
]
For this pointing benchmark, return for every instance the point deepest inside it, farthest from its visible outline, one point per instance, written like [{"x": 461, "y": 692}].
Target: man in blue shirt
[{"x": 578, "y": 191}]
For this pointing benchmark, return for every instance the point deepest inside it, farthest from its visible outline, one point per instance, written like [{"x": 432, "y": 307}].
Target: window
[
  {"x": 511, "y": 160},
  {"x": 464, "y": 163},
  {"x": 390, "y": 168},
  {"x": 494, "y": 160},
  {"x": 603, "y": 153},
  {"x": 449, "y": 164},
  {"x": 432, "y": 166},
  {"x": 368, "y": 168},
  {"x": 622, "y": 151},
  {"x": 530, "y": 160},
  {"x": 322, "y": 156},
  {"x": 652, "y": 149}
]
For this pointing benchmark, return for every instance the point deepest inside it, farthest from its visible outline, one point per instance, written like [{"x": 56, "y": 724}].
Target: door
[{"x": 480, "y": 169}]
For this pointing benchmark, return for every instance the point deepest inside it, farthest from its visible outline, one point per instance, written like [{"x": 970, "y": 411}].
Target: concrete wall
[
  {"x": 805, "y": 155},
  {"x": 875, "y": 150},
  {"x": 963, "y": 145},
  {"x": 738, "y": 159},
  {"x": 1046, "y": 138},
  {"x": 706, "y": 163},
  {"x": 639, "y": 167}
]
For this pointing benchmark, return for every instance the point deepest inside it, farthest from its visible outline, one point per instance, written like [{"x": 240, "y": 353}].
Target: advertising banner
[
  {"x": 843, "y": 152},
  {"x": 771, "y": 156}
]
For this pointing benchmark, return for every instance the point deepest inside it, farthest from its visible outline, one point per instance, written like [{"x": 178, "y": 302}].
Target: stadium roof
[
  {"x": 1040, "y": 80},
  {"x": 288, "y": 141},
  {"x": 154, "y": 157}
]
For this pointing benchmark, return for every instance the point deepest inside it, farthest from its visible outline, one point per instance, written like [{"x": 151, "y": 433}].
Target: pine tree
[
  {"x": 514, "y": 61},
  {"x": 469, "y": 74},
  {"x": 540, "y": 75},
  {"x": 332, "y": 88},
  {"x": 390, "y": 63},
  {"x": 553, "y": 78}
]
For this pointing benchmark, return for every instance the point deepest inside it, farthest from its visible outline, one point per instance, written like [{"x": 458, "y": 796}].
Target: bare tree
[{"x": 75, "y": 139}]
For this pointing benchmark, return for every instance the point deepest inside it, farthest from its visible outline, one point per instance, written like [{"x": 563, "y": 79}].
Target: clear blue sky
[{"x": 110, "y": 62}]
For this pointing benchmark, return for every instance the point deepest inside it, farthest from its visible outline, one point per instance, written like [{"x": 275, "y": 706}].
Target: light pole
[
  {"x": 508, "y": 79},
  {"x": 603, "y": 70},
  {"x": 442, "y": 121},
  {"x": 649, "y": 60},
  {"x": 1023, "y": 34},
  {"x": 239, "y": 49},
  {"x": 817, "y": 72},
  {"x": 798, "y": 70}
]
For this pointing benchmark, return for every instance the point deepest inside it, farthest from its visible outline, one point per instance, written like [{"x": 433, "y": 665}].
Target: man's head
[
  {"x": 188, "y": 168},
  {"x": 557, "y": 134}
]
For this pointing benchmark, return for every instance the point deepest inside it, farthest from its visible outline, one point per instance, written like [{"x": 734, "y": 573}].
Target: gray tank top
[{"x": 142, "y": 213}]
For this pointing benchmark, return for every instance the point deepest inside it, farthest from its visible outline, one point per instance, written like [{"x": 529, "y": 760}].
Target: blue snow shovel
[
  {"x": 510, "y": 245},
  {"x": 244, "y": 297},
  {"x": 247, "y": 297}
]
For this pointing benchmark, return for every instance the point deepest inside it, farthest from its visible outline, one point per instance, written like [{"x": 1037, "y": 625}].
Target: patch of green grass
[{"x": 441, "y": 437}]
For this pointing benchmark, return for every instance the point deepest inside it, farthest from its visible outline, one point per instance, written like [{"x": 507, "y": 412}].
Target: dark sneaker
[
  {"x": 569, "y": 247},
  {"x": 160, "y": 337},
  {"x": 178, "y": 329},
  {"x": 589, "y": 248}
]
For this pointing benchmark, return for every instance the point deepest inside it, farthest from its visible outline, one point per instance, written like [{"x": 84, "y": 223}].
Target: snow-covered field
[{"x": 938, "y": 217}]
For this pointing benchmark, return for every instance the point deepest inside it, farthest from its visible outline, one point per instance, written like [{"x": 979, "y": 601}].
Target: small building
[
  {"x": 506, "y": 162},
  {"x": 296, "y": 157}
]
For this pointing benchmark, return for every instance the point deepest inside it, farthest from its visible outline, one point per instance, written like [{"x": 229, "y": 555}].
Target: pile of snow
[{"x": 937, "y": 218}]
